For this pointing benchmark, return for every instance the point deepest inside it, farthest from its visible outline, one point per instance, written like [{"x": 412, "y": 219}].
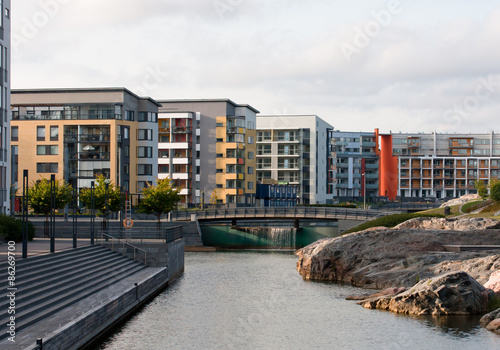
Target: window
[
  {"x": 144, "y": 169},
  {"x": 141, "y": 185},
  {"x": 250, "y": 185},
  {"x": 145, "y": 134},
  {"x": 47, "y": 150},
  {"x": 250, "y": 155},
  {"x": 126, "y": 133},
  {"x": 54, "y": 133},
  {"x": 250, "y": 170},
  {"x": 40, "y": 133},
  {"x": 250, "y": 140},
  {"x": 129, "y": 115},
  {"x": 126, "y": 151},
  {"x": 14, "y": 133},
  {"x": 163, "y": 153},
  {"x": 217, "y": 140},
  {"x": 145, "y": 152},
  {"x": 46, "y": 167},
  {"x": 163, "y": 168},
  {"x": 219, "y": 155}
]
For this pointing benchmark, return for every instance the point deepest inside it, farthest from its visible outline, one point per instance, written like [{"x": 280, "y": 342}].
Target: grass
[
  {"x": 454, "y": 211},
  {"x": 467, "y": 207},
  {"x": 390, "y": 221}
]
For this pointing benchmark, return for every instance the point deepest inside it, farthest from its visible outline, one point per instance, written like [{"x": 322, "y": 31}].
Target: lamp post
[
  {"x": 106, "y": 210},
  {"x": 364, "y": 190},
  {"x": 25, "y": 214},
  {"x": 52, "y": 230},
  {"x": 92, "y": 218},
  {"x": 75, "y": 219}
]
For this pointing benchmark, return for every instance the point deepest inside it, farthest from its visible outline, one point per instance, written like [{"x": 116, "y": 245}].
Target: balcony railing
[
  {"x": 87, "y": 138},
  {"x": 182, "y": 129},
  {"x": 79, "y": 116},
  {"x": 90, "y": 155}
]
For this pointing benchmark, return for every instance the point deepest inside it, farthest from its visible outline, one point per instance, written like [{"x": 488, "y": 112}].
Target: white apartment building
[{"x": 293, "y": 150}]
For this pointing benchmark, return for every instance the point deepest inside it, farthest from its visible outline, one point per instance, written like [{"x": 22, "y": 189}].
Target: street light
[
  {"x": 364, "y": 190},
  {"x": 25, "y": 214},
  {"x": 52, "y": 213},
  {"x": 92, "y": 218}
]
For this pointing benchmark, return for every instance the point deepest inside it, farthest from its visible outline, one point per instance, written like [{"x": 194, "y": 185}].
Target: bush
[
  {"x": 495, "y": 190},
  {"x": 329, "y": 205},
  {"x": 11, "y": 229},
  {"x": 391, "y": 221}
]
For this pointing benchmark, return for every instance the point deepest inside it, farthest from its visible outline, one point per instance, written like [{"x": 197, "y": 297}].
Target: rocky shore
[{"x": 412, "y": 261}]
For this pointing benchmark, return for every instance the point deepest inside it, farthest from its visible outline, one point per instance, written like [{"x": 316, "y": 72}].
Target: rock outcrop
[
  {"x": 458, "y": 224},
  {"x": 464, "y": 199},
  {"x": 491, "y": 321},
  {"x": 383, "y": 257},
  {"x": 494, "y": 283},
  {"x": 454, "y": 293}
]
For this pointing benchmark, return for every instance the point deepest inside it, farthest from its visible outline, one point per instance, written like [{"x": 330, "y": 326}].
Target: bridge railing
[{"x": 294, "y": 212}]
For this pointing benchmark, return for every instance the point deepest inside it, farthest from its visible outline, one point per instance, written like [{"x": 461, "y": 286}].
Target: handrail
[
  {"x": 270, "y": 212},
  {"x": 123, "y": 245}
]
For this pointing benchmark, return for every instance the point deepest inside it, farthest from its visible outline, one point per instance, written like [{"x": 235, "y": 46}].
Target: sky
[{"x": 397, "y": 65}]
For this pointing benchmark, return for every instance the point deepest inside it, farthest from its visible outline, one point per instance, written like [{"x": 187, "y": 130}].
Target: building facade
[
  {"x": 78, "y": 134},
  {"x": 5, "y": 149},
  {"x": 293, "y": 150},
  {"x": 437, "y": 165},
  {"x": 353, "y": 165},
  {"x": 208, "y": 146}
]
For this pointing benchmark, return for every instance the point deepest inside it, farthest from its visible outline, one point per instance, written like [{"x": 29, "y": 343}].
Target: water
[{"x": 255, "y": 300}]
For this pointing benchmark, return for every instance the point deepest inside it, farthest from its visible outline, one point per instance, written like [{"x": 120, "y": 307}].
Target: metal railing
[
  {"x": 173, "y": 233},
  {"x": 292, "y": 213},
  {"x": 115, "y": 242}
]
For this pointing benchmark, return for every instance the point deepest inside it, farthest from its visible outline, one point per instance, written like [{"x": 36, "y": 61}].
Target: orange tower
[{"x": 388, "y": 171}]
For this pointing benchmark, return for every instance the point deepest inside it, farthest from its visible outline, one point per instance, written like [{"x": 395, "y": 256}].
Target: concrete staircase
[{"x": 49, "y": 283}]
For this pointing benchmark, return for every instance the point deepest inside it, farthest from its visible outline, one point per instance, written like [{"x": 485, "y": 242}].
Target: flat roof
[
  {"x": 209, "y": 100},
  {"x": 83, "y": 90}
]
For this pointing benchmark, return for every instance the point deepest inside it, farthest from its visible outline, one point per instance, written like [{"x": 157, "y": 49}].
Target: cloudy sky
[{"x": 400, "y": 65}]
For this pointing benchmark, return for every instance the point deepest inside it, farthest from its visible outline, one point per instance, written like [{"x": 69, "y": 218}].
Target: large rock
[
  {"x": 458, "y": 224},
  {"x": 462, "y": 200},
  {"x": 383, "y": 257},
  {"x": 491, "y": 321},
  {"x": 454, "y": 293},
  {"x": 480, "y": 269},
  {"x": 494, "y": 282}
]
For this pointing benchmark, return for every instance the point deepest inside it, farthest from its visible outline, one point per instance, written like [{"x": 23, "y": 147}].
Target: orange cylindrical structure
[{"x": 388, "y": 169}]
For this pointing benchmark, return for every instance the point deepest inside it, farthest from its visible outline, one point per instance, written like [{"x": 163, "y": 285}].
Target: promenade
[{"x": 40, "y": 246}]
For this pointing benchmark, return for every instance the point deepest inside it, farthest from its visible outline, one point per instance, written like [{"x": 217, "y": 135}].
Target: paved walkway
[{"x": 39, "y": 246}]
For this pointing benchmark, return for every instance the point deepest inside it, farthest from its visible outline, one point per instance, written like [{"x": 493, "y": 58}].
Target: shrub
[
  {"x": 495, "y": 190},
  {"x": 11, "y": 229},
  {"x": 391, "y": 221}
]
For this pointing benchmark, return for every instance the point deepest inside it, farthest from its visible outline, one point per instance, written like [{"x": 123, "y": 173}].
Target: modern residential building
[
  {"x": 293, "y": 150},
  {"x": 208, "y": 148},
  {"x": 5, "y": 151},
  {"x": 353, "y": 165},
  {"x": 78, "y": 134},
  {"x": 437, "y": 165}
]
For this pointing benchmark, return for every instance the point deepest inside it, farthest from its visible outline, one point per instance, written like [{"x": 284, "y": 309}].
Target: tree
[
  {"x": 104, "y": 200},
  {"x": 160, "y": 198},
  {"x": 39, "y": 196},
  {"x": 495, "y": 190},
  {"x": 214, "y": 198},
  {"x": 481, "y": 188}
]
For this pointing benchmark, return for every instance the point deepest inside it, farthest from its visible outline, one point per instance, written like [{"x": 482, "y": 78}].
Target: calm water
[{"x": 255, "y": 300}]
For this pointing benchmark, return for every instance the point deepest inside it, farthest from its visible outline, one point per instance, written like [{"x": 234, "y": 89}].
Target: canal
[{"x": 257, "y": 300}]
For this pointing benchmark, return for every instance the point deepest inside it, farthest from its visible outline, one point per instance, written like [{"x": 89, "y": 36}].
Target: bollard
[{"x": 39, "y": 343}]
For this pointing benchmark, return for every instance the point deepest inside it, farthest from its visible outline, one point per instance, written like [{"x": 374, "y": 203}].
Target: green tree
[
  {"x": 112, "y": 194},
  {"x": 481, "y": 188},
  {"x": 39, "y": 198},
  {"x": 495, "y": 190},
  {"x": 160, "y": 198}
]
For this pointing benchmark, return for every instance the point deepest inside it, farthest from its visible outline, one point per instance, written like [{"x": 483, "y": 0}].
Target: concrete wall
[
  {"x": 175, "y": 253},
  {"x": 90, "y": 325}
]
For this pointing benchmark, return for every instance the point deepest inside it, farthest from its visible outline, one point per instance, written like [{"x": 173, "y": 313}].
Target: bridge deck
[{"x": 322, "y": 213}]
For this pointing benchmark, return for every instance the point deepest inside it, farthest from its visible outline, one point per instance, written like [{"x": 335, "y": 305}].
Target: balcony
[
  {"x": 94, "y": 138},
  {"x": 69, "y": 116},
  {"x": 90, "y": 156},
  {"x": 368, "y": 144},
  {"x": 182, "y": 130},
  {"x": 164, "y": 130},
  {"x": 371, "y": 166},
  {"x": 235, "y": 130}
]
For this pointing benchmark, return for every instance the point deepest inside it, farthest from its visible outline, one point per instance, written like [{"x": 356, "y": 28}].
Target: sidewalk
[{"x": 39, "y": 246}]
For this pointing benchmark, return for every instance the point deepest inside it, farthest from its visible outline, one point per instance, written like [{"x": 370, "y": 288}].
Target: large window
[
  {"x": 46, "y": 167},
  {"x": 145, "y": 152},
  {"x": 54, "y": 133},
  {"x": 47, "y": 150},
  {"x": 129, "y": 115},
  {"x": 14, "y": 133},
  {"x": 145, "y": 134},
  {"x": 145, "y": 169},
  {"x": 40, "y": 133}
]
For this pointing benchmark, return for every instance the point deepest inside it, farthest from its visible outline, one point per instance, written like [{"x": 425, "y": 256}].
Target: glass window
[
  {"x": 54, "y": 133},
  {"x": 40, "y": 133},
  {"x": 47, "y": 150},
  {"x": 145, "y": 134},
  {"x": 14, "y": 133},
  {"x": 145, "y": 152},
  {"x": 46, "y": 167},
  {"x": 145, "y": 169}
]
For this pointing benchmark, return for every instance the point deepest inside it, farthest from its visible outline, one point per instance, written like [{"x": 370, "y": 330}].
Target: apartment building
[
  {"x": 353, "y": 165},
  {"x": 293, "y": 150},
  {"x": 439, "y": 165},
  {"x": 78, "y": 134},
  {"x": 208, "y": 147},
  {"x": 6, "y": 167}
]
